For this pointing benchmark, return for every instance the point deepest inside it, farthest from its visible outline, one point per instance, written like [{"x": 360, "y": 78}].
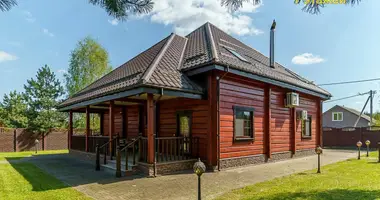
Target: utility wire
[
  {"x": 348, "y": 82},
  {"x": 360, "y": 94}
]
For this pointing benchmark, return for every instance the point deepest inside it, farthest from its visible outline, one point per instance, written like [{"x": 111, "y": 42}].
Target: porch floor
[{"x": 103, "y": 185}]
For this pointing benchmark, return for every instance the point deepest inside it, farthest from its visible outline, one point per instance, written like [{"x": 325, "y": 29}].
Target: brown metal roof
[{"x": 163, "y": 65}]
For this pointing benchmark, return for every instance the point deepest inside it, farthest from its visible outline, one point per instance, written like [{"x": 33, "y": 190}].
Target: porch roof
[{"x": 169, "y": 63}]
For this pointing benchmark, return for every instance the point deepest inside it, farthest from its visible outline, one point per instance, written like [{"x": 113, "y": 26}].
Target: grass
[
  {"x": 351, "y": 179},
  {"x": 23, "y": 154},
  {"x": 26, "y": 181}
]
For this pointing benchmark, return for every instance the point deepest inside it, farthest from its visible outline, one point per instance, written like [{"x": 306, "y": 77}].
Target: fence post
[
  {"x": 378, "y": 146},
  {"x": 14, "y": 140},
  {"x": 97, "y": 168},
  {"x": 118, "y": 161}
]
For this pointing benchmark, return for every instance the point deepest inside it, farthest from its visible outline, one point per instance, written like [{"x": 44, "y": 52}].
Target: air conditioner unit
[{"x": 292, "y": 100}]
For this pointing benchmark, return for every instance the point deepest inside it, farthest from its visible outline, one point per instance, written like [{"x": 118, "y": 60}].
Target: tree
[
  {"x": 6, "y": 5},
  {"x": 42, "y": 95},
  {"x": 89, "y": 61},
  {"x": 13, "y": 110},
  {"x": 120, "y": 9},
  {"x": 311, "y": 6}
]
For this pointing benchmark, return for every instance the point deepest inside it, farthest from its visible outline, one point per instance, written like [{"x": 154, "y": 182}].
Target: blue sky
[{"x": 341, "y": 43}]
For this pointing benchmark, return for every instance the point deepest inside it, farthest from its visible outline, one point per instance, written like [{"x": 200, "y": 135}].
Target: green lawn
[
  {"x": 352, "y": 179},
  {"x": 19, "y": 155},
  {"x": 26, "y": 181}
]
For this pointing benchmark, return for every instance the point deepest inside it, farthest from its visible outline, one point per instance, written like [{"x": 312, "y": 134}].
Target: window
[
  {"x": 243, "y": 123},
  {"x": 337, "y": 116},
  {"x": 184, "y": 129},
  {"x": 184, "y": 123},
  {"x": 236, "y": 54},
  {"x": 306, "y": 128}
]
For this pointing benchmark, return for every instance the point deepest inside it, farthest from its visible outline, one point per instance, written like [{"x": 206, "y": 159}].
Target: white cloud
[
  {"x": 47, "y": 32},
  {"x": 114, "y": 22},
  {"x": 187, "y": 15},
  {"x": 307, "y": 59},
  {"x": 62, "y": 71},
  {"x": 4, "y": 56},
  {"x": 29, "y": 17}
]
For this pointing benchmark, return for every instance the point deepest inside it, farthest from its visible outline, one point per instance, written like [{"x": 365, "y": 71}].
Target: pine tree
[
  {"x": 42, "y": 95},
  {"x": 13, "y": 110}
]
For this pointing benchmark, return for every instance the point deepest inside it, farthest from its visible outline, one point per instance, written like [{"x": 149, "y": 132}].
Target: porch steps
[{"x": 111, "y": 167}]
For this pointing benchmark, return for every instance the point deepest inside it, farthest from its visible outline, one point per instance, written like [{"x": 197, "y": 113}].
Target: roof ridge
[
  {"x": 182, "y": 54},
  {"x": 149, "y": 71},
  {"x": 354, "y": 111},
  {"x": 213, "y": 47}
]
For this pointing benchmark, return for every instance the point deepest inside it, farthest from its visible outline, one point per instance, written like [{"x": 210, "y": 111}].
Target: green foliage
[
  {"x": 120, "y": 9},
  {"x": 42, "y": 95},
  {"x": 13, "y": 110},
  {"x": 89, "y": 61},
  {"x": 6, "y": 5}
]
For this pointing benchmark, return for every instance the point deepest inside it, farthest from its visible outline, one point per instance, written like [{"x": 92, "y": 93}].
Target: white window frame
[{"x": 337, "y": 113}]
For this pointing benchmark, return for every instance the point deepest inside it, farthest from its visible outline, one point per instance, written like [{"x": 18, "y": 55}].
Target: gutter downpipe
[
  {"x": 227, "y": 70},
  {"x": 155, "y": 134}
]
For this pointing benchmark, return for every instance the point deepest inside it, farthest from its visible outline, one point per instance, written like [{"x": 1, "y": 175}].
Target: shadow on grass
[
  {"x": 37, "y": 178},
  {"x": 338, "y": 194},
  {"x": 56, "y": 171}
]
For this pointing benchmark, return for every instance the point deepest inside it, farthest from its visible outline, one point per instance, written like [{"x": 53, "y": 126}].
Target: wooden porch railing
[
  {"x": 168, "y": 149},
  {"x": 78, "y": 142}
]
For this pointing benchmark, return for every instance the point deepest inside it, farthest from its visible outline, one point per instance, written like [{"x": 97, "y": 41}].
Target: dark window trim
[
  {"x": 188, "y": 113},
  {"x": 244, "y": 138},
  {"x": 303, "y": 136}
]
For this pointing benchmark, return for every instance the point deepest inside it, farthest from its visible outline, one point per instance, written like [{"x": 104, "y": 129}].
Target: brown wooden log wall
[
  {"x": 132, "y": 118},
  {"x": 244, "y": 92},
  {"x": 200, "y": 119}
]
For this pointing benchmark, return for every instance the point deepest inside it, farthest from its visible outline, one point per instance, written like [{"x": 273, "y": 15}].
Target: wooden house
[{"x": 204, "y": 95}]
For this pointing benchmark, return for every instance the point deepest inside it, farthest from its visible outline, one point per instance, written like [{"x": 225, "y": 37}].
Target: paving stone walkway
[{"x": 102, "y": 185}]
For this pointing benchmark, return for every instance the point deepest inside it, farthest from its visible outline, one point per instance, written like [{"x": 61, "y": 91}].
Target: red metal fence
[{"x": 348, "y": 137}]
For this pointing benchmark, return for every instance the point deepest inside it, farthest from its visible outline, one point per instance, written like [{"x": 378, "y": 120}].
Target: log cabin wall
[
  {"x": 200, "y": 117},
  {"x": 311, "y": 105},
  {"x": 238, "y": 91},
  {"x": 131, "y": 117},
  {"x": 281, "y": 123}
]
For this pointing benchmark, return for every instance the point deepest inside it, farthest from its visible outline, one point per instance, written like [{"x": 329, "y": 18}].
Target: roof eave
[
  {"x": 133, "y": 91},
  {"x": 198, "y": 70}
]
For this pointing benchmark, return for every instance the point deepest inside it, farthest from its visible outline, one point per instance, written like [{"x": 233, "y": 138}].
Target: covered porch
[{"x": 144, "y": 130}]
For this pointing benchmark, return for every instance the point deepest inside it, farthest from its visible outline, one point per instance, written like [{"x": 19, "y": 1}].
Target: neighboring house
[
  {"x": 205, "y": 95},
  {"x": 341, "y": 116}
]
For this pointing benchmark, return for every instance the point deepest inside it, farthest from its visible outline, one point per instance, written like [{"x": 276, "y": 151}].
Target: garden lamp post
[
  {"x": 319, "y": 151},
  {"x": 36, "y": 144},
  {"x": 367, "y": 143},
  {"x": 199, "y": 168},
  {"x": 359, "y": 144}
]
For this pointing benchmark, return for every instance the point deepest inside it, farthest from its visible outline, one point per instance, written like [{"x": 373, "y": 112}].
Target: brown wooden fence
[
  {"x": 12, "y": 140},
  {"x": 348, "y": 137}
]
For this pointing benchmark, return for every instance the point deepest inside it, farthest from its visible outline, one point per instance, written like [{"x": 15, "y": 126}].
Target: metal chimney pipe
[{"x": 271, "y": 45}]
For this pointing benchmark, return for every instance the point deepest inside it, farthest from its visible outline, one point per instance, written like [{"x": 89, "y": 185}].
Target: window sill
[
  {"x": 244, "y": 139},
  {"x": 306, "y": 137}
]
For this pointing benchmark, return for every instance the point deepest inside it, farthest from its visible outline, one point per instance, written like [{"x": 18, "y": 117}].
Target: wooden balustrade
[{"x": 170, "y": 149}]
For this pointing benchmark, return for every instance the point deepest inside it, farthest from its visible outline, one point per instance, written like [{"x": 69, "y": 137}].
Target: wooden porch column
[
  {"x": 111, "y": 125},
  {"x": 150, "y": 128},
  {"x": 294, "y": 130},
  {"x": 268, "y": 137},
  {"x": 87, "y": 126},
  {"x": 101, "y": 116},
  {"x": 70, "y": 132}
]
